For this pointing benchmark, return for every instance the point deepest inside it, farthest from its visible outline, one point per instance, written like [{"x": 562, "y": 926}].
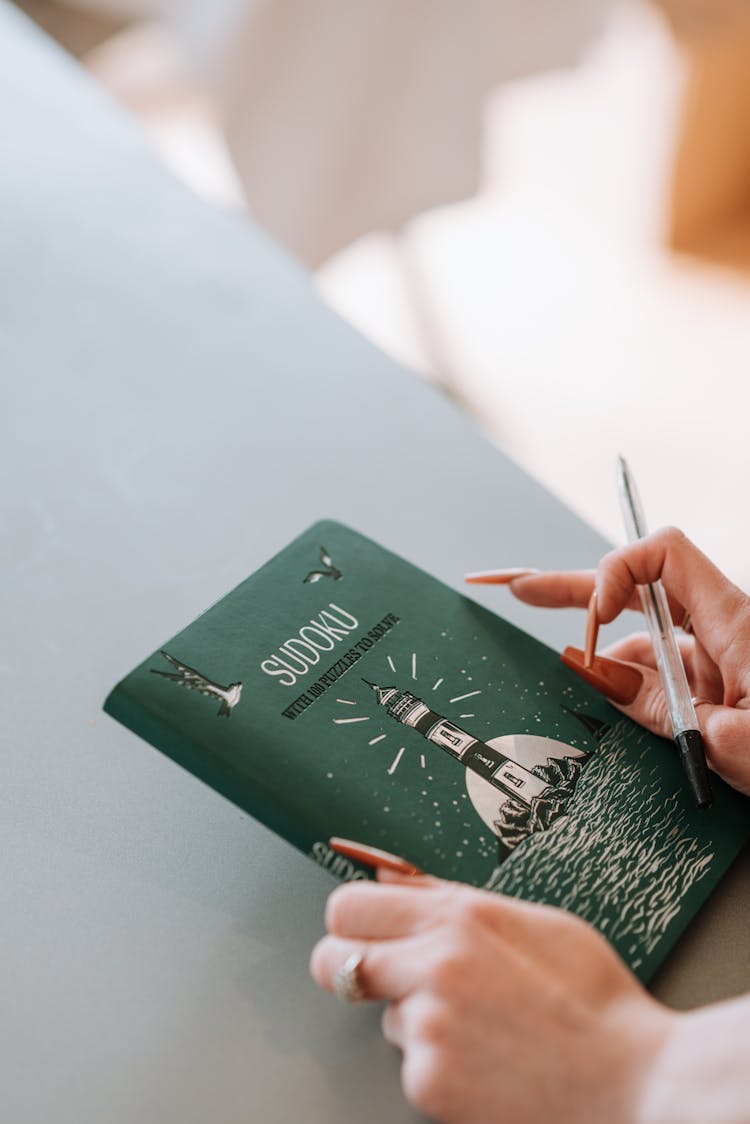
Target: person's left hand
[{"x": 504, "y": 1010}]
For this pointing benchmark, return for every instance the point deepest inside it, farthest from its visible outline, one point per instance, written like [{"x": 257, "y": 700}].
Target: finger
[
  {"x": 572, "y": 589},
  {"x": 369, "y": 911},
  {"x": 396, "y": 877},
  {"x": 725, "y": 729},
  {"x": 714, "y": 603},
  {"x": 702, "y": 673},
  {"x": 636, "y": 648},
  {"x": 392, "y": 1023},
  {"x": 555, "y": 589},
  {"x": 649, "y": 706},
  {"x": 375, "y": 911},
  {"x": 407, "y": 1021},
  {"x": 389, "y": 970},
  {"x": 726, "y": 735},
  {"x": 639, "y": 648},
  {"x": 706, "y": 680}
]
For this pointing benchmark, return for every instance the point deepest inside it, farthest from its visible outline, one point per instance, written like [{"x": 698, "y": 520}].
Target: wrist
[
  {"x": 661, "y": 1097},
  {"x": 645, "y": 1031},
  {"x": 700, "y": 1075}
]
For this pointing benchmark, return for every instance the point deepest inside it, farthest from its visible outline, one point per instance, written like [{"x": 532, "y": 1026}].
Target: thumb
[
  {"x": 725, "y": 729},
  {"x": 726, "y": 735},
  {"x": 637, "y": 691}
]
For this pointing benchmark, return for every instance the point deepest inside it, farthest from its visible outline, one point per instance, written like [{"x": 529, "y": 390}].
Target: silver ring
[
  {"x": 686, "y": 624},
  {"x": 696, "y": 700},
  {"x": 347, "y": 983}
]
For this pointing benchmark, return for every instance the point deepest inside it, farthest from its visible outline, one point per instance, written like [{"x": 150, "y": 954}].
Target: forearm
[{"x": 702, "y": 1073}]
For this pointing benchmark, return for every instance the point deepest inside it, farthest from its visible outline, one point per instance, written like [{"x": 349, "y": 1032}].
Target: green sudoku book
[{"x": 342, "y": 691}]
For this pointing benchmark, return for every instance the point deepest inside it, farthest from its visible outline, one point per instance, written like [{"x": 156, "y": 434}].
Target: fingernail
[
  {"x": 499, "y": 577},
  {"x": 592, "y": 632},
  {"x": 385, "y": 874},
  {"x": 618, "y": 681},
  {"x": 372, "y": 856}
]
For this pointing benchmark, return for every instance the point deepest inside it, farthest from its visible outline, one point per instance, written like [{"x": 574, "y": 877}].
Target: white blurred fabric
[
  {"x": 346, "y": 116},
  {"x": 122, "y": 9}
]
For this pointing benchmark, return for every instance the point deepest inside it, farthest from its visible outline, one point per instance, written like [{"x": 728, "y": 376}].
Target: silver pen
[{"x": 685, "y": 729}]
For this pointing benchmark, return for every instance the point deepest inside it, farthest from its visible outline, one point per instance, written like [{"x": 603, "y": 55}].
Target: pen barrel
[
  {"x": 668, "y": 658},
  {"x": 685, "y": 730}
]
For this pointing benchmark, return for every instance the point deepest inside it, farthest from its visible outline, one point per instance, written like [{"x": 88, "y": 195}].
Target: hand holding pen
[{"x": 715, "y": 645}]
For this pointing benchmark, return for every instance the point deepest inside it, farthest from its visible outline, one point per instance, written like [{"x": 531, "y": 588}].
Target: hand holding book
[
  {"x": 468, "y": 977},
  {"x": 503, "y": 1010},
  {"x": 509, "y": 1011}
]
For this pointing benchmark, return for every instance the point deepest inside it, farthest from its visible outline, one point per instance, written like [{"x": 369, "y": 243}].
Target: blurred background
[{"x": 543, "y": 208}]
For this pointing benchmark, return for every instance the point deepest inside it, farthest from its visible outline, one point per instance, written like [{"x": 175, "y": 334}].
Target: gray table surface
[{"x": 177, "y": 404}]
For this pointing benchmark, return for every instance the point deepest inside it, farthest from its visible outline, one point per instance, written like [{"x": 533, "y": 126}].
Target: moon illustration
[{"x": 528, "y": 750}]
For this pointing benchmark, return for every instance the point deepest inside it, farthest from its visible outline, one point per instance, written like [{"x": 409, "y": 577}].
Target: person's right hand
[{"x": 716, "y": 656}]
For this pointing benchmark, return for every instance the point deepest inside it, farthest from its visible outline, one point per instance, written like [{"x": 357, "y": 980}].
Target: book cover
[{"x": 342, "y": 691}]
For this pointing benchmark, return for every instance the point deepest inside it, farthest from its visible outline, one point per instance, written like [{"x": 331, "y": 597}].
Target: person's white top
[{"x": 176, "y": 405}]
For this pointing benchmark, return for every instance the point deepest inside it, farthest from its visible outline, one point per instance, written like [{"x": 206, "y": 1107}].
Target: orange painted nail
[
  {"x": 372, "y": 856},
  {"x": 618, "y": 681},
  {"x": 499, "y": 577},
  {"x": 592, "y": 632}
]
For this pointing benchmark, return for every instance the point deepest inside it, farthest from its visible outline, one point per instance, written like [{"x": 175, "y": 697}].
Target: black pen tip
[{"x": 693, "y": 757}]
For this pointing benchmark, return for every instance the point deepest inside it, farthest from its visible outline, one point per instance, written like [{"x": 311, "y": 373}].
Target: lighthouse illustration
[
  {"x": 526, "y": 800},
  {"x": 495, "y": 767}
]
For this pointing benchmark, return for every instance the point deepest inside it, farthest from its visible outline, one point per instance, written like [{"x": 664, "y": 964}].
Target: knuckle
[
  {"x": 611, "y": 558},
  {"x": 316, "y": 957},
  {"x": 613, "y": 565},
  {"x": 556, "y": 921},
  {"x": 657, "y": 713},
  {"x": 389, "y": 1023},
  {"x": 431, "y": 1024},
  {"x": 471, "y": 914},
  {"x": 672, "y": 536},
  {"x": 320, "y": 963},
  {"x": 444, "y": 975},
  {"x": 421, "y": 1081},
  {"x": 743, "y": 615},
  {"x": 475, "y": 909},
  {"x": 613, "y": 578},
  {"x": 336, "y": 907}
]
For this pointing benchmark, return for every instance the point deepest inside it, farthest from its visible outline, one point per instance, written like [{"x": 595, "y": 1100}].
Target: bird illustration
[
  {"x": 329, "y": 572},
  {"x": 188, "y": 677}
]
